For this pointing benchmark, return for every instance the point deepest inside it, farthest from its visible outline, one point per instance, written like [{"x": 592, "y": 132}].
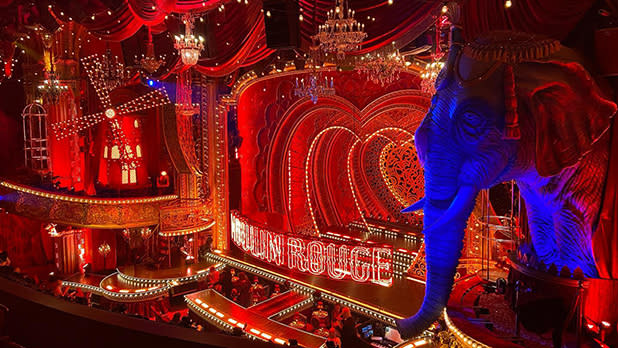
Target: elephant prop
[{"x": 511, "y": 106}]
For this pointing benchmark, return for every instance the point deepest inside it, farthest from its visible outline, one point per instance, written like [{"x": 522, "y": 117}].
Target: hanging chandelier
[
  {"x": 314, "y": 87},
  {"x": 429, "y": 76},
  {"x": 104, "y": 249},
  {"x": 188, "y": 45},
  {"x": 109, "y": 72},
  {"x": 150, "y": 62},
  {"x": 341, "y": 33},
  {"x": 51, "y": 88},
  {"x": 315, "y": 84},
  {"x": 382, "y": 68}
]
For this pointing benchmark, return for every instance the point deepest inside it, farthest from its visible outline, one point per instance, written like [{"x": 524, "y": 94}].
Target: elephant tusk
[
  {"x": 415, "y": 206},
  {"x": 465, "y": 197}
]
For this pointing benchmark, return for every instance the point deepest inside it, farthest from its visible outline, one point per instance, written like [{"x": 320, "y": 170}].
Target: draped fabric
[
  {"x": 605, "y": 240},
  {"x": 126, "y": 20},
  {"x": 553, "y": 18},
  {"x": 402, "y": 22},
  {"x": 240, "y": 37}
]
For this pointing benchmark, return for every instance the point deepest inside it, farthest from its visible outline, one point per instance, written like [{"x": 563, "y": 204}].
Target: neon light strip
[
  {"x": 460, "y": 336},
  {"x": 189, "y": 231},
  {"x": 362, "y": 262},
  {"x": 218, "y": 318},
  {"x": 307, "y": 162},
  {"x": 141, "y": 281}
]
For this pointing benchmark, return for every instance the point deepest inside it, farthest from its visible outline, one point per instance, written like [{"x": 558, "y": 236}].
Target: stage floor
[{"x": 404, "y": 298}]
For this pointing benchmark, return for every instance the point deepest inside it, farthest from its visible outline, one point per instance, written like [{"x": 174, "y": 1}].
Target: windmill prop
[{"x": 106, "y": 75}]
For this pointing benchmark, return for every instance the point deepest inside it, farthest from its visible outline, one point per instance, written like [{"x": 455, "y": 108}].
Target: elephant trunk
[{"x": 443, "y": 245}]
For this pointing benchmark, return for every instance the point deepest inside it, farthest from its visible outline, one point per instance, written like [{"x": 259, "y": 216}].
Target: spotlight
[
  {"x": 508, "y": 3},
  {"x": 150, "y": 83}
]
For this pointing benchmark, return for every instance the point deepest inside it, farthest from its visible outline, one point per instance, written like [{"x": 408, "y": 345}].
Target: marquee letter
[
  {"x": 275, "y": 248},
  {"x": 337, "y": 266},
  {"x": 315, "y": 257},
  {"x": 296, "y": 254},
  {"x": 381, "y": 265},
  {"x": 361, "y": 256}
]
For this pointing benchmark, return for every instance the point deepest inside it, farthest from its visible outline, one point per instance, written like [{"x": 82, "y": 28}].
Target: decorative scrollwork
[
  {"x": 418, "y": 268},
  {"x": 402, "y": 172}
]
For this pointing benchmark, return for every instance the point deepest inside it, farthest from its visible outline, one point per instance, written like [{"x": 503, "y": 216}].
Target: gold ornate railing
[{"x": 81, "y": 211}]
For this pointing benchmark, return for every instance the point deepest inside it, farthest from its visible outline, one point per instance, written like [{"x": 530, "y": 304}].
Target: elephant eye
[{"x": 469, "y": 127}]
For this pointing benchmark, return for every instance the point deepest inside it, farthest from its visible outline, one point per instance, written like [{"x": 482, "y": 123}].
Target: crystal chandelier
[
  {"x": 314, "y": 87},
  {"x": 150, "y": 62},
  {"x": 188, "y": 45},
  {"x": 51, "y": 87},
  {"x": 429, "y": 76},
  {"x": 109, "y": 72},
  {"x": 382, "y": 68},
  {"x": 341, "y": 33},
  {"x": 104, "y": 249}
]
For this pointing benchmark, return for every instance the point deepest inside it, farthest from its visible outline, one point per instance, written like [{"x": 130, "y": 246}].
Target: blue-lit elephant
[{"x": 511, "y": 107}]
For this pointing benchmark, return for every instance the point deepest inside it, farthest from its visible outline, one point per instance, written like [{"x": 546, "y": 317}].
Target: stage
[{"x": 381, "y": 299}]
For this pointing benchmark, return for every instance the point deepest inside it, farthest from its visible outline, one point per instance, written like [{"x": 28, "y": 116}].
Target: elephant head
[{"x": 510, "y": 107}]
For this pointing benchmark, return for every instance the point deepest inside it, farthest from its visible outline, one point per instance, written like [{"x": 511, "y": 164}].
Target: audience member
[
  {"x": 5, "y": 261},
  {"x": 186, "y": 322},
  {"x": 225, "y": 280},
  {"x": 348, "y": 332},
  {"x": 243, "y": 287},
  {"x": 213, "y": 276},
  {"x": 256, "y": 291},
  {"x": 175, "y": 319},
  {"x": 276, "y": 291},
  {"x": 333, "y": 338}
]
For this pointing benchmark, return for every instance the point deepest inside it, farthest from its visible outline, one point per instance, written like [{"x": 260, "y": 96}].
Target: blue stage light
[{"x": 150, "y": 83}]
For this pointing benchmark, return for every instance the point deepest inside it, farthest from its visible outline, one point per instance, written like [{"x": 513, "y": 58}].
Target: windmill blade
[
  {"x": 127, "y": 156},
  {"x": 92, "y": 64},
  {"x": 73, "y": 126},
  {"x": 149, "y": 100}
]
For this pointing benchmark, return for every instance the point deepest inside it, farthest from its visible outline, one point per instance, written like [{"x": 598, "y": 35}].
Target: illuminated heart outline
[{"x": 349, "y": 172}]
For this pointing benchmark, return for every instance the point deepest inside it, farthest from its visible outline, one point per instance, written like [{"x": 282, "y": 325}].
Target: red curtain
[
  {"x": 401, "y": 21},
  {"x": 554, "y": 18}
]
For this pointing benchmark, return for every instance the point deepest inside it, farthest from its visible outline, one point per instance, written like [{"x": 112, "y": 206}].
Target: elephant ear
[{"x": 570, "y": 115}]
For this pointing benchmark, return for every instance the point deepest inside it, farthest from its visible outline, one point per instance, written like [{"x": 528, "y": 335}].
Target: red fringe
[{"x": 511, "y": 130}]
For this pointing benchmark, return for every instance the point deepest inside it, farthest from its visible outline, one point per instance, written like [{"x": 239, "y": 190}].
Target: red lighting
[{"x": 361, "y": 263}]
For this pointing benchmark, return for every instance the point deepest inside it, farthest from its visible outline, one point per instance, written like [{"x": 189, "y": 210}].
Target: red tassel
[{"x": 511, "y": 118}]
